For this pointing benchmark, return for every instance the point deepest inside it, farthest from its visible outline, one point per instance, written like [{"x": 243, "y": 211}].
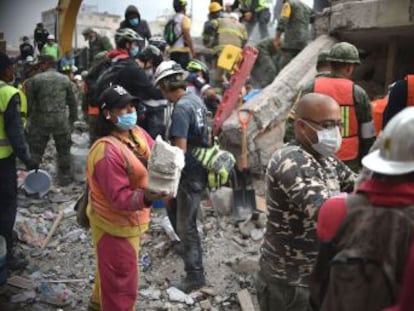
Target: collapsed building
[{"x": 383, "y": 31}]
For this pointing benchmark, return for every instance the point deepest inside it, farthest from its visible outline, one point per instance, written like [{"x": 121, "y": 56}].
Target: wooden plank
[
  {"x": 245, "y": 300},
  {"x": 391, "y": 57}
]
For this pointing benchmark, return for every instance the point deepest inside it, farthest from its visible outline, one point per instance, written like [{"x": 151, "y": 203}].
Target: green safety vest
[
  {"x": 6, "y": 93},
  {"x": 261, "y": 5},
  {"x": 51, "y": 50}
]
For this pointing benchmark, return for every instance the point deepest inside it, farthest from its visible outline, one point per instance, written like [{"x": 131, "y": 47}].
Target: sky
[{"x": 19, "y": 17}]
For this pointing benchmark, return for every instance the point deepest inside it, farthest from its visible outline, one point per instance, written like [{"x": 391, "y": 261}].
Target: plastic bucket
[
  {"x": 3, "y": 253},
  {"x": 37, "y": 182}
]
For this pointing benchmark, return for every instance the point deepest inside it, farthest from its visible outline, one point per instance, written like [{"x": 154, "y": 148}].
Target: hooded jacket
[{"x": 142, "y": 28}]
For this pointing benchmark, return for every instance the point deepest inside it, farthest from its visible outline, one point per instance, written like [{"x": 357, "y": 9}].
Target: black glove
[{"x": 32, "y": 165}]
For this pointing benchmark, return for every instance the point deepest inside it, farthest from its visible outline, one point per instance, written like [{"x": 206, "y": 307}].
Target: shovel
[{"x": 244, "y": 201}]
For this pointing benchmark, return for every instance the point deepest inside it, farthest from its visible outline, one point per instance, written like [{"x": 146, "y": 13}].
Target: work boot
[
  {"x": 15, "y": 263},
  {"x": 194, "y": 280}
]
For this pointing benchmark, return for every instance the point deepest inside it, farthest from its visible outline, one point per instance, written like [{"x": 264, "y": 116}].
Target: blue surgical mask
[
  {"x": 127, "y": 121},
  {"x": 134, "y": 21},
  {"x": 134, "y": 51}
]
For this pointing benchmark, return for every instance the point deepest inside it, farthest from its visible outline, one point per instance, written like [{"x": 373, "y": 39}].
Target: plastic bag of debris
[{"x": 164, "y": 167}]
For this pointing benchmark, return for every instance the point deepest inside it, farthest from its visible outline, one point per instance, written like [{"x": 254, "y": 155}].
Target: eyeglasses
[{"x": 326, "y": 124}]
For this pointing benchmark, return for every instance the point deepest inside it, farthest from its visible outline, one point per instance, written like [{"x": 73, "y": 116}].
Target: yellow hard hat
[{"x": 215, "y": 7}]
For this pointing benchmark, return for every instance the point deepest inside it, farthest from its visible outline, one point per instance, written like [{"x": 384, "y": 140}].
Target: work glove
[{"x": 32, "y": 165}]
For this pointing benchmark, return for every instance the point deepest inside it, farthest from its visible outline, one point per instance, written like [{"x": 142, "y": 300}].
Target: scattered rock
[
  {"x": 153, "y": 294},
  {"x": 174, "y": 294},
  {"x": 205, "y": 305}
]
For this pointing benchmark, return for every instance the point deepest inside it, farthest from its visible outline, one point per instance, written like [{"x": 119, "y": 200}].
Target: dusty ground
[{"x": 230, "y": 261}]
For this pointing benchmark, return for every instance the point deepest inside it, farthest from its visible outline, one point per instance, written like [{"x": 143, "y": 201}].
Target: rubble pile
[{"x": 60, "y": 273}]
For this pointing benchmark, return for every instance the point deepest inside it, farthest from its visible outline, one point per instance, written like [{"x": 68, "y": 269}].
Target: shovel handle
[{"x": 245, "y": 115}]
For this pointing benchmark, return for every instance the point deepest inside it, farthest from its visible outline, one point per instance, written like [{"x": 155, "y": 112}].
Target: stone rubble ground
[{"x": 61, "y": 276}]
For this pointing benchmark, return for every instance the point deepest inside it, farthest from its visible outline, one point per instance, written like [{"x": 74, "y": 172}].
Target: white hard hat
[
  {"x": 51, "y": 37},
  {"x": 166, "y": 69},
  {"x": 395, "y": 155}
]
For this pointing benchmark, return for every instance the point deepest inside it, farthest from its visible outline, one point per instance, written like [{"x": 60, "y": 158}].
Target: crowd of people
[{"x": 339, "y": 198}]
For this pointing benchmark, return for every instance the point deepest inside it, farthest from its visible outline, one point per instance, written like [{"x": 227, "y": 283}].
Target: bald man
[{"x": 300, "y": 177}]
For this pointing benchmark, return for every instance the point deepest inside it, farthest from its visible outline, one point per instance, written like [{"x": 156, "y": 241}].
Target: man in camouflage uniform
[
  {"x": 97, "y": 43},
  {"x": 294, "y": 23},
  {"x": 254, "y": 12},
  {"x": 266, "y": 67},
  {"x": 343, "y": 58},
  {"x": 300, "y": 177},
  {"x": 49, "y": 96}
]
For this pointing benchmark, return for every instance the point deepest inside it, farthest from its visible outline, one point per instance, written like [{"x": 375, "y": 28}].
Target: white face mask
[{"x": 329, "y": 141}]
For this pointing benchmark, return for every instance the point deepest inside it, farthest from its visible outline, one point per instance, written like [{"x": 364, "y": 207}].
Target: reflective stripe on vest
[
  {"x": 342, "y": 91},
  {"x": 6, "y": 93},
  {"x": 410, "y": 90}
]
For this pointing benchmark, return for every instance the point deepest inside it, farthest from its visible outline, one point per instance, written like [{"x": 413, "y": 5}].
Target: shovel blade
[{"x": 244, "y": 203}]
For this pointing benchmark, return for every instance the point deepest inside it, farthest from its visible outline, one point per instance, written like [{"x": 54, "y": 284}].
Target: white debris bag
[{"x": 164, "y": 167}]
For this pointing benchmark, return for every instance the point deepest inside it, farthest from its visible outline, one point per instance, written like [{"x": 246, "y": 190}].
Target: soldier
[
  {"x": 294, "y": 23},
  {"x": 49, "y": 95},
  {"x": 97, "y": 43},
  {"x": 358, "y": 131},
  {"x": 323, "y": 66},
  {"x": 300, "y": 177},
  {"x": 266, "y": 67}
]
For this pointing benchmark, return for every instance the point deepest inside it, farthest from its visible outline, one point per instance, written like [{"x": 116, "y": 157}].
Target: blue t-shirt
[{"x": 189, "y": 121}]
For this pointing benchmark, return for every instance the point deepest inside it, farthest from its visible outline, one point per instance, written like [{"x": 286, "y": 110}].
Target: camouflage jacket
[
  {"x": 297, "y": 185},
  {"x": 294, "y": 22},
  {"x": 50, "y": 93},
  {"x": 265, "y": 68},
  {"x": 100, "y": 44}
]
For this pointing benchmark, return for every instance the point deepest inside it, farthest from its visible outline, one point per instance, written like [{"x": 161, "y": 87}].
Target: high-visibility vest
[
  {"x": 118, "y": 222},
  {"x": 261, "y": 4},
  {"x": 378, "y": 108},
  {"x": 342, "y": 91},
  {"x": 410, "y": 90},
  {"x": 6, "y": 94}
]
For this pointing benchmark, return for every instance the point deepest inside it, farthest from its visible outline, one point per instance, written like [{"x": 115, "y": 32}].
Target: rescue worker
[
  {"x": 388, "y": 190},
  {"x": 97, "y": 43},
  {"x": 119, "y": 210},
  {"x": 198, "y": 83},
  {"x": 40, "y": 36},
  {"x": 51, "y": 48},
  {"x": 12, "y": 144},
  {"x": 358, "y": 131},
  {"x": 26, "y": 49},
  {"x": 149, "y": 59},
  {"x": 294, "y": 24},
  {"x": 188, "y": 130},
  {"x": 182, "y": 50},
  {"x": 159, "y": 42},
  {"x": 266, "y": 67},
  {"x": 255, "y": 12},
  {"x": 49, "y": 95},
  {"x": 220, "y": 30},
  {"x": 299, "y": 178},
  {"x": 133, "y": 21},
  {"x": 401, "y": 96}
]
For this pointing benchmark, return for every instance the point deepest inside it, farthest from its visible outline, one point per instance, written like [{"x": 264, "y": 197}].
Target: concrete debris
[
  {"x": 205, "y": 305},
  {"x": 174, "y": 294},
  {"x": 164, "y": 166},
  {"x": 23, "y": 297},
  {"x": 245, "y": 300},
  {"x": 20, "y": 282},
  {"x": 222, "y": 200},
  {"x": 152, "y": 294}
]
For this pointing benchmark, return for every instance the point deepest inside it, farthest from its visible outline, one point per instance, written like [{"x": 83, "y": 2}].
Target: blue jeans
[
  {"x": 280, "y": 296},
  {"x": 183, "y": 216}
]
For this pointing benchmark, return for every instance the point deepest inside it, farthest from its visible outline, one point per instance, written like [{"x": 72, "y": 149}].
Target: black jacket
[{"x": 142, "y": 29}]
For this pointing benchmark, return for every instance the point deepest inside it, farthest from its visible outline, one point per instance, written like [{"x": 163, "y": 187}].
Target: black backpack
[
  {"x": 92, "y": 81},
  {"x": 170, "y": 35},
  {"x": 362, "y": 268}
]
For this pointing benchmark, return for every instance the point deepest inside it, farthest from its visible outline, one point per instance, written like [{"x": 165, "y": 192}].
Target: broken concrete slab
[
  {"x": 245, "y": 300},
  {"x": 270, "y": 107},
  {"x": 174, "y": 294}
]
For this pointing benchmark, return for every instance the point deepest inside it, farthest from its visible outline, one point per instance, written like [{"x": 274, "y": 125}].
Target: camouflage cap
[{"x": 344, "y": 52}]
